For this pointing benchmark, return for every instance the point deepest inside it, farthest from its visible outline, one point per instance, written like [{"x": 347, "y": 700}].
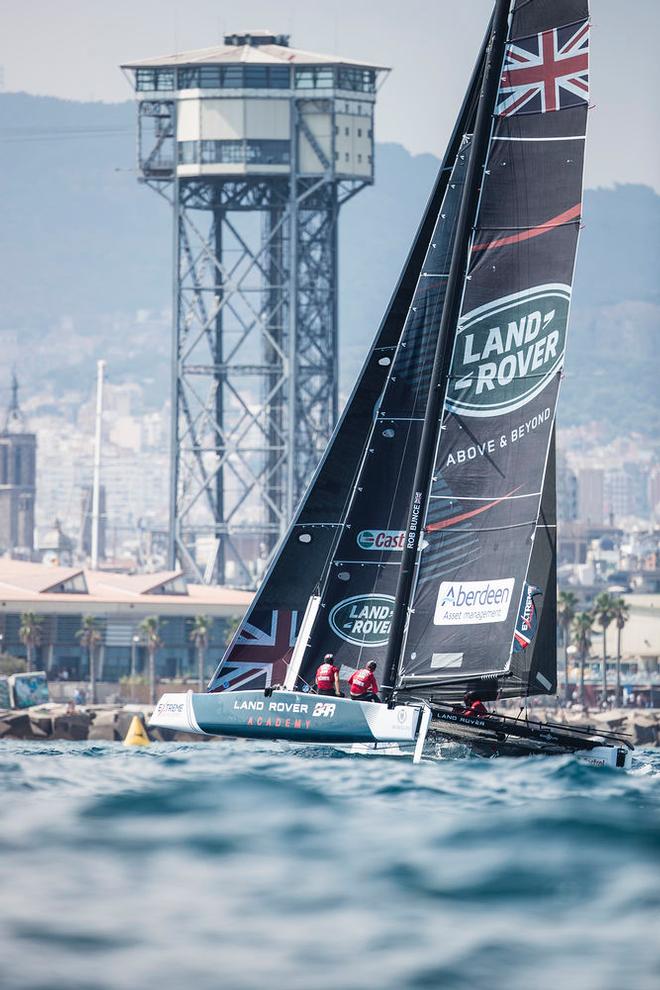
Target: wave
[{"x": 240, "y": 865}]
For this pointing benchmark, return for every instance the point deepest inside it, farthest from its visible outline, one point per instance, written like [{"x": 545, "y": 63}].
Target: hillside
[{"x": 85, "y": 265}]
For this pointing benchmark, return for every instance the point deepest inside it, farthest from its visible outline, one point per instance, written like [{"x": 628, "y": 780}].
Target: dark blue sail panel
[{"x": 482, "y": 523}]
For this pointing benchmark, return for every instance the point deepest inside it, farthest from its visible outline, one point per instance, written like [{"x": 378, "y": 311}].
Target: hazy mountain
[{"x": 85, "y": 264}]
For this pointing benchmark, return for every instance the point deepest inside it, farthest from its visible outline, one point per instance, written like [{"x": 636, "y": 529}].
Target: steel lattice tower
[{"x": 256, "y": 146}]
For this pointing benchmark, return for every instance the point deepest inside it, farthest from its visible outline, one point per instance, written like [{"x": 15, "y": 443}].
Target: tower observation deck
[{"x": 255, "y": 145}]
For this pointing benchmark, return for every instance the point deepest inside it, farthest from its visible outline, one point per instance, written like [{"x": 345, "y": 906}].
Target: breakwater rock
[
  {"x": 57, "y": 721},
  {"x": 111, "y": 722}
]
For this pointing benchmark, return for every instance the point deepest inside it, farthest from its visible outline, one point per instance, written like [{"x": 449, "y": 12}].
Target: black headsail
[
  {"x": 263, "y": 644},
  {"x": 486, "y": 561}
]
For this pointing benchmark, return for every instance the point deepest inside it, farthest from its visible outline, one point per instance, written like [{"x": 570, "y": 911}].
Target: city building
[
  {"x": 590, "y": 495},
  {"x": 653, "y": 492},
  {"x": 567, "y": 492},
  {"x": 624, "y": 491},
  {"x": 18, "y": 462},
  {"x": 62, "y": 596}
]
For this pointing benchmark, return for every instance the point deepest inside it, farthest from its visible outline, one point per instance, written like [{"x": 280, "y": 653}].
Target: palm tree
[
  {"x": 29, "y": 634},
  {"x": 582, "y": 624},
  {"x": 566, "y": 610},
  {"x": 199, "y": 635},
  {"x": 603, "y": 613},
  {"x": 149, "y": 630},
  {"x": 621, "y": 616},
  {"x": 90, "y": 638}
]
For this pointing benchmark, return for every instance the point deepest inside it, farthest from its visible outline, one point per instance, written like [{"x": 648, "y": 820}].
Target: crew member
[
  {"x": 327, "y": 677},
  {"x": 474, "y": 705},
  {"x": 364, "y": 686}
]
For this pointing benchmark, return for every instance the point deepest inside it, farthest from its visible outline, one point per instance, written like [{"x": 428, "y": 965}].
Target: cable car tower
[{"x": 255, "y": 145}]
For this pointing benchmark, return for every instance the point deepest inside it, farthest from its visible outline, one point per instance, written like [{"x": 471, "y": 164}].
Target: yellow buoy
[{"x": 137, "y": 734}]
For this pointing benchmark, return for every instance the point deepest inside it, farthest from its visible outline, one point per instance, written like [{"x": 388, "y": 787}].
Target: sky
[{"x": 72, "y": 49}]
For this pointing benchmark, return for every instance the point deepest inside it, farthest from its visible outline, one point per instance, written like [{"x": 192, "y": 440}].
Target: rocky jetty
[
  {"x": 111, "y": 722},
  {"x": 57, "y": 721}
]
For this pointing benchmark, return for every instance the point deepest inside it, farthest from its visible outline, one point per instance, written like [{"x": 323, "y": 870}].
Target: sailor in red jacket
[
  {"x": 474, "y": 705},
  {"x": 327, "y": 677},
  {"x": 364, "y": 686}
]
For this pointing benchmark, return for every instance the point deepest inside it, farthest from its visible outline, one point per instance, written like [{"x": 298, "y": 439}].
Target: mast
[
  {"x": 443, "y": 351},
  {"x": 96, "y": 484}
]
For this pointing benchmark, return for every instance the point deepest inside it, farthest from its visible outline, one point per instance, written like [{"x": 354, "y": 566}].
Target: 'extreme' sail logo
[
  {"x": 363, "y": 620},
  {"x": 507, "y": 350}
]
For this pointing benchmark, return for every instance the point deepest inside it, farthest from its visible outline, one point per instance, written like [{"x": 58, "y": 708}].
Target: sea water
[{"x": 246, "y": 865}]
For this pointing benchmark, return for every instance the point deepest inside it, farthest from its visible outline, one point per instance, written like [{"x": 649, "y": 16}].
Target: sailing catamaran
[{"x": 426, "y": 539}]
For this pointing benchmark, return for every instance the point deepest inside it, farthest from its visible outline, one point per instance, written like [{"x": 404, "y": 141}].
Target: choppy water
[{"x": 245, "y": 866}]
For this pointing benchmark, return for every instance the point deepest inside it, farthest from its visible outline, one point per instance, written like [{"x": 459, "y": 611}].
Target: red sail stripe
[
  {"x": 444, "y": 523},
  {"x": 524, "y": 235},
  {"x": 580, "y": 83}
]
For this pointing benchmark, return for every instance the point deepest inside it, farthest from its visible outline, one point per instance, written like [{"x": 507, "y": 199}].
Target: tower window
[
  {"x": 154, "y": 79},
  {"x": 315, "y": 77}
]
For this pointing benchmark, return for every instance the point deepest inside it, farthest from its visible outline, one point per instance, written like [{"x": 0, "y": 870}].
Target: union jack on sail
[
  {"x": 260, "y": 653},
  {"x": 549, "y": 71}
]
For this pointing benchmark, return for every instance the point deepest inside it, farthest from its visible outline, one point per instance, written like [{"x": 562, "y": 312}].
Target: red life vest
[
  {"x": 362, "y": 682},
  {"x": 477, "y": 708},
  {"x": 325, "y": 676}
]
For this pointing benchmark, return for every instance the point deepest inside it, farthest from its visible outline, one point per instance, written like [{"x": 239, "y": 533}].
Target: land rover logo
[
  {"x": 508, "y": 350},
  {"x": 363, "y": 619}
]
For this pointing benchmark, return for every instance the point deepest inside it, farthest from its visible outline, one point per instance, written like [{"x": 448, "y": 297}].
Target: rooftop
[
  {"x": 40, "y": 587},
  {"x": 253, "y": 47}
]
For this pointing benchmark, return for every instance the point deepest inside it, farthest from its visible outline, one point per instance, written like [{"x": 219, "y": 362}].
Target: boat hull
[
  {"x": 286, "y": 715},
  {"x": 501, "y": 736}
]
